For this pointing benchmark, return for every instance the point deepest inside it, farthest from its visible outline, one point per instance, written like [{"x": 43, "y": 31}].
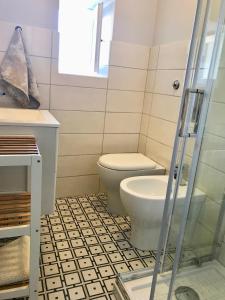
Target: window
[{"x": 85, "y": 28}]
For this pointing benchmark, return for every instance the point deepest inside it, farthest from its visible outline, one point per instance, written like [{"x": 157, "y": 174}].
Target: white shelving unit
[{"x": 20, "y": 211}]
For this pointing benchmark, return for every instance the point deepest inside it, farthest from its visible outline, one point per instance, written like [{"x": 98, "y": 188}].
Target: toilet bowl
[
  {"x": 115, "y": 167},
  {"x": 143, "y": 199}
]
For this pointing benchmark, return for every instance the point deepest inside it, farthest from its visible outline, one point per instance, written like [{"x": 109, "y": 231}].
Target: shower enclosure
[
  {"x": 193, "y": 232},
  {"x": 198, "y": 249}
]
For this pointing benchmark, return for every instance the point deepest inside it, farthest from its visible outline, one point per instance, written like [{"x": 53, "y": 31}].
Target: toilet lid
[{"x": 126, "y": 161}]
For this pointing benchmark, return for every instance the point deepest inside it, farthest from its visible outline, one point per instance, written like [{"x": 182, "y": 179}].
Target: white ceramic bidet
[{"x": 143, "y": 198}]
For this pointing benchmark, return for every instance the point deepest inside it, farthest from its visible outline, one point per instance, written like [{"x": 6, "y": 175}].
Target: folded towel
[
  {"x": 14, "y": 261},
  {"x": 16, "y": 77}
]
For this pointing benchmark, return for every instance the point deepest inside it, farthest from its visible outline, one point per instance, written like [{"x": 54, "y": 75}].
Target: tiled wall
[
  {"x": 97, "y": 115},
  {"x": 161, "y": 102}
]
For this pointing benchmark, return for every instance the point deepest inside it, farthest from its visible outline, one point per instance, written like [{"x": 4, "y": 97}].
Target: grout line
[
  {"x": 80, "y": 175},
  {"x": 72, "y": 155},
  {"x": 150, "y": 109},
  {"x": 159, "y": 118},
  {"x": 100, "y": 133},
  {"x": 104, "y": 123},
  {"x": 79, "y": 86},
  {"x": 159, "y": 142},
  {"x": 146, "y": 79},
  {"x": 128, "y": 67},
  {"x": 50, "y": 90},
  {"x": 96, "y": 88},
  {"x": 166, "y": 69},
  {"x": 99, "y": 111}
]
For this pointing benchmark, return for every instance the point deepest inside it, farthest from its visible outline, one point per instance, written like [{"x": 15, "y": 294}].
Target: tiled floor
[{"x": 83, "y": 248}]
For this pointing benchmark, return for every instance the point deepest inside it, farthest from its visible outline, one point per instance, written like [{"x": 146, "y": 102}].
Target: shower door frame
[{"x": 168, "y": 209}]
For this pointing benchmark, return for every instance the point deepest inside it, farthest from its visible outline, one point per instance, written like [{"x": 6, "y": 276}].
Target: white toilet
[
  {"x": 115, "y": 167},
  {"x": 143, "y": 198}
]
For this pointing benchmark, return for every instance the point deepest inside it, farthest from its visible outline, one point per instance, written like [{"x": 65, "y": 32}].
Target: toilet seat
[{"x": 126, "y": 162}]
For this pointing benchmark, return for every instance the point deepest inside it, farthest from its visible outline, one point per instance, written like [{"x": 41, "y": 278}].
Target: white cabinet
[{"x": 44, "y": 127}]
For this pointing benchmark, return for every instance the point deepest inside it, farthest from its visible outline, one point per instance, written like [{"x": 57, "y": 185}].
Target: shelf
[
  {"x": 14, "y": 291},
  {"x": 15, "y": 214},
  {"x": 20, "y": 217},
  {"x": 14, "y": 209},
  {"x": 14, "y": 277},
  {"x": 18, "y": 145}
]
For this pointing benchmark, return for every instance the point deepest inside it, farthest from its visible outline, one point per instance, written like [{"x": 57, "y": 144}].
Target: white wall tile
[
  {"x": 41, "y": 42},
  {"x": 153, "y": 58},
  {"x": 165, "y": 107},
  {"x": 159, "y": 152},
  {"x": 119, "y": 143},
  {"x": 129, "y": 55},
  {"x": 75, "y": 144},
  {"x": 122, "y": 123},
  {"x": 144, "y": 124},
  {"x": 162, "y": 131},
  {"x": 213, "y": 152},
  {"x": 75, "y": 98},
  {"x": 77, "y": 165},
  {"x": 174, "y": 22},
  {"x": 202, "y": 237},
  {"x": 209, "y": 214},
  {"x": 75, "y": 80},
  {"x": 142, "y": 144},
  {"x": 164, "y": 82},
  {"x": 211, "y": 182},
  {"x": 79, "y": 122},
  {"x": 55, "y": 44},
  {"x": 124, "y": 101},
  {"x": 41, "y": 68},
  {"x": 6, "y": 31},
  {"x": 218, "y": 87},
  {"x": 173, "y": 55},
  {"x": 127, "y": 79},
  {"x": 147, "y": 103},
  {"x": 44, "y": 90},
  {"x": 69, "y": 186},
  {"x": 37, "y": 40},
  {"x": 216, "y": 121},
  {"x": 150, "y": 83}
]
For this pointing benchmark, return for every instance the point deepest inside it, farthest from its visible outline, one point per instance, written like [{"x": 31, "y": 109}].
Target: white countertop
[{"x": 27, "y": 117}]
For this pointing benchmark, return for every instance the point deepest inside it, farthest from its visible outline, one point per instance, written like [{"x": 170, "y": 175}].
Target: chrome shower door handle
[
  {"x": 191, "y": 112},
  {"x": 197, "y": 109},
  {"x": 184, "y": 114}
]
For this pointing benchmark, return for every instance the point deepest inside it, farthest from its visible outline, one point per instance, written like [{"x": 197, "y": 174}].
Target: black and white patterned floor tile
[{"x": 83, "y": 248}]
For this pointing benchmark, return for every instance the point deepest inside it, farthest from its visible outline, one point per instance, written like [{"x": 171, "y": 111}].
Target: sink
[
  {"x": 27, "y": 117},
  {"x": 44, "y": 127}
]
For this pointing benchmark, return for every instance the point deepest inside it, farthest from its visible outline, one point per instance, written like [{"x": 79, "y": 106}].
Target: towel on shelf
[
  {"x": 14, "y": 261},
  {"x": 16, "y": 77}
]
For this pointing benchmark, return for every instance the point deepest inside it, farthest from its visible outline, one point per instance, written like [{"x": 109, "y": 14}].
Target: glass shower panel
[
  {"x": 208, "y": 236},
  {"x": 197, "y": 244},
  {"x": 194, "y": 96},
  {"x": 201, "y": 228}
]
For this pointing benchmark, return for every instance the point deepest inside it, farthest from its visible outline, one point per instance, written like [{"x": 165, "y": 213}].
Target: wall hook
[{"x": 18, "y": 27}]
